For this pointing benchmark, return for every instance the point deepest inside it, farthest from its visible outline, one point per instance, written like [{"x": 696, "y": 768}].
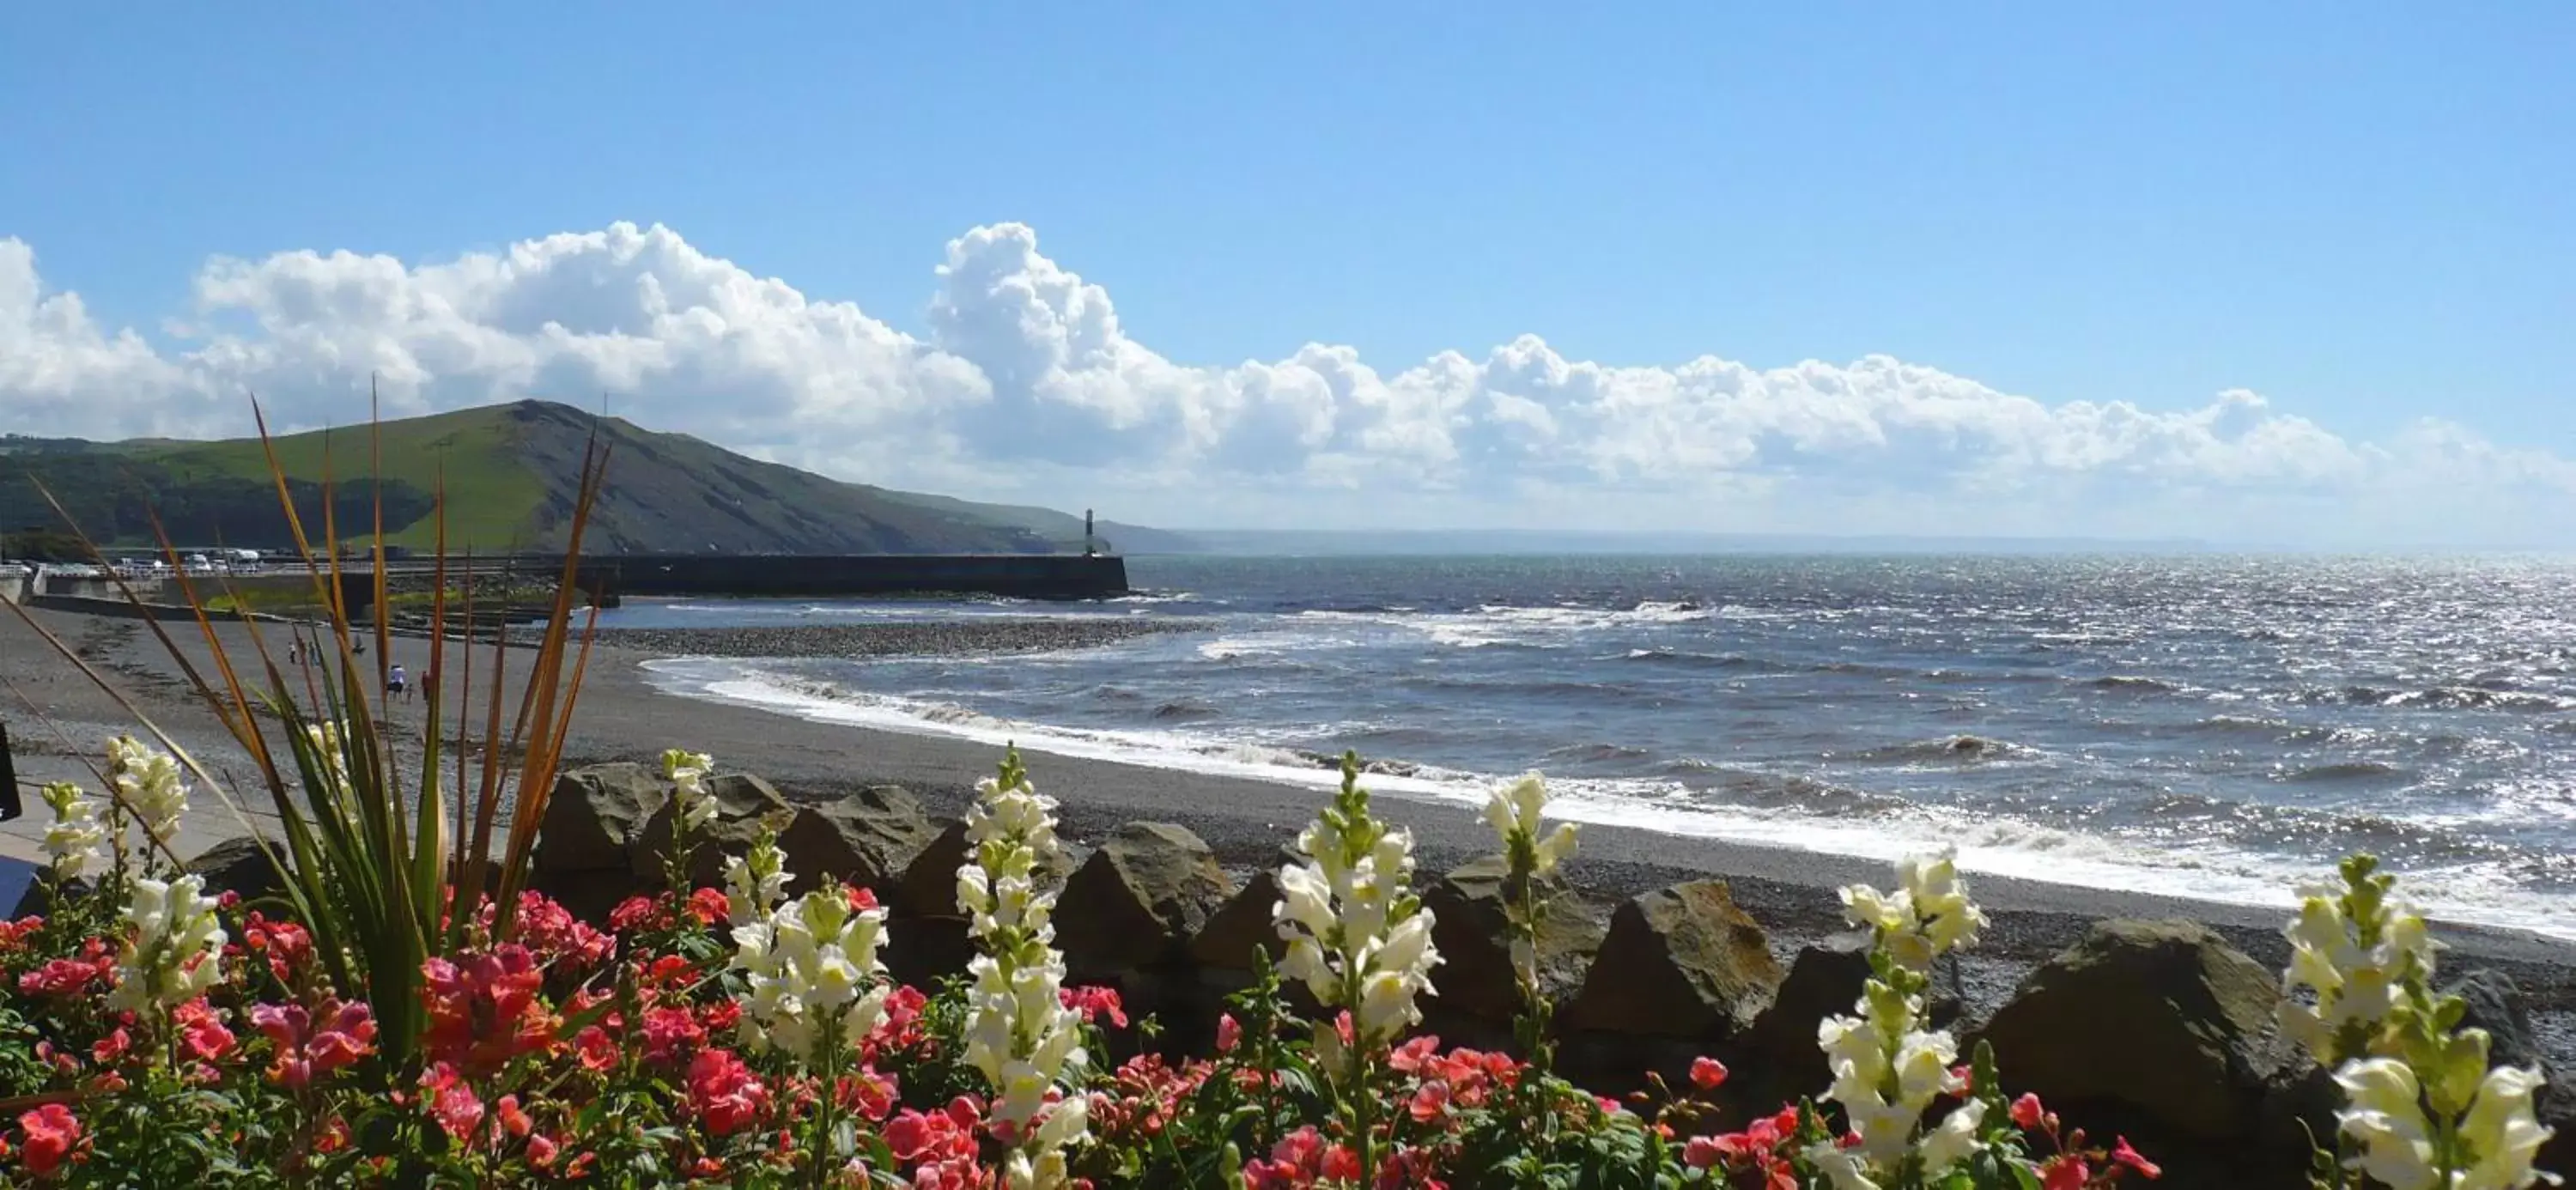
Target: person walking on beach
[{"x": 397, "y": 685}]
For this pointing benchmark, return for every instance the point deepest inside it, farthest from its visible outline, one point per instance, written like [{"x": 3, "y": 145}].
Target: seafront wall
[{"x": 1023, "y": 576}]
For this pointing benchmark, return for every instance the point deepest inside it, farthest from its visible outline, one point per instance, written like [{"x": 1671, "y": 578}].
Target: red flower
[
  {"x": 2064, "y": 1172},
  {"x": 106, "y": 1051},
  {"x": 14, "y": 934},
  {"x": 861, "y": 899},
  {"x": 347, "y": 1033},
  {"x": 708, "y": 906},
  {"x": 1430, "y": 1102},
  {"x": 553, "y": 933},
  {"x": 1094, "y": 1003},
  {"x": 286, "y": 945},
  {"x": 202, "y": 1034},
  {"x": 2027, "y": 1112},
  {"x": 451, "y": 1102},
  {"x": 670, "y": 1031},
  {"x": 724, "y": 1093},
  {"x": 2127, "y": 1156},
  {"x": 598, "y": 1050},
  {"x": 871, "y": 1094},
  {"x": 1707, "y": 1074},
  {"x": 66, "y": 977},
  {"x": 1409, "y": 1057},
  {"x": 635, "y": 913},
  {"x": 542, "y": 1151},
  {"x": 1229, "y": 1033},
  {"x": 484, "y": 1010},
  {"x": 1702, "y": 1152},
  {"x": 52, "y": 1133}
]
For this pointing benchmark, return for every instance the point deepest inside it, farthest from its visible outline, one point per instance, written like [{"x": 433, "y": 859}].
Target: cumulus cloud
[{"x": 1026, "y": 383}]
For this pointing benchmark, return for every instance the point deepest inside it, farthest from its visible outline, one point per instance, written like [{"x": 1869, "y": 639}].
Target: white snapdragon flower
[
  {"x": 1356, "y": 935},
  {"x": 687, "y": 771},
  {"x": 811, "y": 969},
  {"x": 175, "y": 951},
  {"x": 2354, "y": 983},
  {"x": 1928, "y": 915},
  {"x": 2503, "y": 1132},
  {"x": 73, "y": 840},
  {"x": 147, "y": 780},
  {"x": 1019, "y": 1032},
  {"x": 1887, "y": 1068},
  {"x": 755, "y": 883},
  {"x": 2384, "y": 1112},
  {"x": 1514, "y": 812},
  {"x": 2420, "y": 1102}
]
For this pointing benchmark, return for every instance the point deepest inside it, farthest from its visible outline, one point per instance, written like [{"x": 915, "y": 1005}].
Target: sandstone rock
[
  {"x": 2157, "y": 1021},
  {"x": 594, "y": 814},
  {"x": 1681, "y": 961},
  {"x": 867, "y": 837},
  {"x": 929, "y": 884},
  {"x": 1470, "y": 927},
  {"x": 745, "y": 805},
  {"x": 237, "y": 865},
  {"x": 1139, "y": 900}
]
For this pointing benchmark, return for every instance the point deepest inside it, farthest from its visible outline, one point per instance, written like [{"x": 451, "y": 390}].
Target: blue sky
[{"x": 2359, "y": 214}]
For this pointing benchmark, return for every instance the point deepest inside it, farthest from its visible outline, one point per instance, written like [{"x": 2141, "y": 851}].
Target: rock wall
[{"x": 2159, "y": 1031}]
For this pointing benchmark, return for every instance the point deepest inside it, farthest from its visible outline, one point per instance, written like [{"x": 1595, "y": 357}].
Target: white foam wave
[{"x": 1991, "y": 845}]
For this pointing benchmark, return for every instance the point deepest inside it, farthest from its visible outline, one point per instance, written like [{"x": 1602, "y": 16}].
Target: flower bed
[{"x": 748, "y": 1035}]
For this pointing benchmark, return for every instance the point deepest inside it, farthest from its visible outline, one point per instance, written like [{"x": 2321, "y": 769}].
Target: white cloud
[{"x": 1028, "y": 385}]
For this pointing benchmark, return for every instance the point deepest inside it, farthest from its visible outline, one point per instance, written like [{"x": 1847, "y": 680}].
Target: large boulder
[
  {"x": 2495, "y": 1004},
  {"x": 595, "y": 814},
  {"x": 237, "y": 865},
  {"x": 1471, "y": 928},
  {"x": 1679, "y": 962},
  {"x": 1138, "y": 901},
  {"x": 745, "y": 806},
  {"x": 1239, "y": 929},
  {"x": 2158, "y": 1023},
  {"x": 929, "y": 884},
  {"x": 868, "y": 837}
]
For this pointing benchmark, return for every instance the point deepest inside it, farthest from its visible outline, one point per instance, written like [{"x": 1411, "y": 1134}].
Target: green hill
[{"x": 512, "y": 473}]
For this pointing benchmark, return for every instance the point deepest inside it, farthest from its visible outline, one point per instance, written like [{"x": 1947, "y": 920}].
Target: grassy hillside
[{"x": 511, "y": 475}]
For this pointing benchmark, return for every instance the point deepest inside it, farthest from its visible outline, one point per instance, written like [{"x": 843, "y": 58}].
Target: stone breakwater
[
  {"x": 2157, "y": 1030},
  {"x": 946, "y": 638}
]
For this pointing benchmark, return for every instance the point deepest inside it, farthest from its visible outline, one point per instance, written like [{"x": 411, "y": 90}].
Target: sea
[{"x": 2207, "y": 726}]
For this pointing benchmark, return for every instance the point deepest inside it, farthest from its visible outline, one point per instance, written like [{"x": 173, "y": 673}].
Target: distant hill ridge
[{"x": 513, "y": 473}]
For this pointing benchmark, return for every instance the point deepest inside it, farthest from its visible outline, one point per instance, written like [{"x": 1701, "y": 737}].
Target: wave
[
  {"x": 1957, "y": 749},
  {"x": 2207, "y": 849},
  {"x": 2344, "y": 770},
  {"x": 1183, "y": 710},
  {"x": 2437, "y": 698},
  {"x": 1685, "y": 658},
  {"x": 2131, "y": 683}
]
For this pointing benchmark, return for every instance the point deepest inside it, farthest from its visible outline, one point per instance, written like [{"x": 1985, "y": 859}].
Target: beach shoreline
[{"x": 623, "y": 715}]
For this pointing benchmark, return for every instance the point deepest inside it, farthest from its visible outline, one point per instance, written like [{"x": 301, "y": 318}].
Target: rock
[
  {"x": 1240, "y": 928},
  {"x": 1681, "y": 961},
  {"x": 2158, "y": 1021},
  {"x": 745, "y": 805},
  {"x": 1139, "y": 900},
  {"x": 1471, "y": 930},
  {"x": 595, "y": 814},
  {"x": 867, "y": 837},
  {"x": 237, "y": 865},
  {"x": 2496, "y": 1005},
  {"x": 927, "y": 950},
  {"x": 929, "y": 884}
]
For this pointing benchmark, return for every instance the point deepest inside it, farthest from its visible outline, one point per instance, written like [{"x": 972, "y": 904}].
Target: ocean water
[{"x": 2219, "y": 727}]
